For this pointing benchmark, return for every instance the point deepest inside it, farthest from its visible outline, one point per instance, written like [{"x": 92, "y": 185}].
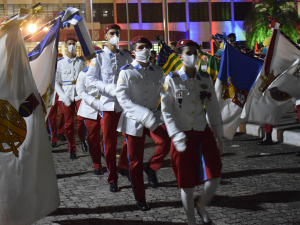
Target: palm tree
[{"x": 255, "y": 25}]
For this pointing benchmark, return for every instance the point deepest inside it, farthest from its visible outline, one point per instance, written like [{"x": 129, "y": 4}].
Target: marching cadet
[
  {"x": 67, "y": 72},
  {"x": 103, "y": 74},
  {"x": 52, "y": 122},
  {"x": 187, "y": 98},
  {"x": 88, "y": 110},
  {"x": 138, "y": 92}
]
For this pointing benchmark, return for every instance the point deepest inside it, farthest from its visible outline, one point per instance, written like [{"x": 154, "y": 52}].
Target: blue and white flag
[
  {"x": 237, "y": 75},
  {"x": 75, "y": 17},
  {"x": 43, "y": 61}
]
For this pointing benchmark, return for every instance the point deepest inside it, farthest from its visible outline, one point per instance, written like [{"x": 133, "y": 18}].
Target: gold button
[
  {"x": 147, "y": 83},
  {"x": 145, "y": 99},
  {"x": 193, "y": 90},
  {"x": 146, "y": 91},
  {"x": 192, "y": 123},
  {"x": 192, "y": 112},
  {"x": 193, "y": 101}
]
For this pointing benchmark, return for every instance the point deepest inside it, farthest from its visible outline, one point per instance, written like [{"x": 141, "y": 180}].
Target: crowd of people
[{"x": 119, "y": 92}]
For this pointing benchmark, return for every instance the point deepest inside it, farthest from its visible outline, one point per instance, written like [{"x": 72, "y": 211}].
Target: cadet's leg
[
  {"x": 123, "y": 160},
  {"x": 81, "y": 129},
  {"x": 69, "y": 125},
  {"x": 61, "y": 128}
]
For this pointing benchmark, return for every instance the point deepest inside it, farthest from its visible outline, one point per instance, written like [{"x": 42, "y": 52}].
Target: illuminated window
[
  {"x": 81, "y": 7},
  {"x": 133, "y": 13},
  {"x": 176, "y": 12},
  {"x": 198, "y": 12},
  {"x": 49, "y": 12},
  {"x": 14, "y": 8},
  {"x": 241, "y": 10},
  {"x": 152, "y": 13},
  {"x": 103, "y": 12},
  {"x": 221, "y": 11}
]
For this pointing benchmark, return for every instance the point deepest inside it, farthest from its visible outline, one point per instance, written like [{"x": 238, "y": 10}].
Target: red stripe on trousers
[{"x": 268, "y": 128}]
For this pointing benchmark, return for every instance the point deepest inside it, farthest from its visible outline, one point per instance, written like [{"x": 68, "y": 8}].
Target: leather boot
[{"x": 267, "y": 140}]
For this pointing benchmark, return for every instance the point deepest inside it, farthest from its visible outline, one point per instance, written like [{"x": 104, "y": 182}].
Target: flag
[
  {"x": 75, "y": 17},
  {"x": 269, "y": 107},
  {"x": 237, "y": 75},
  {"x": 213, "y": 65},
  {"x": 168, "y": 59},
  {"x": 44, "y": 73},
  {"x": 28, "y": 184}
]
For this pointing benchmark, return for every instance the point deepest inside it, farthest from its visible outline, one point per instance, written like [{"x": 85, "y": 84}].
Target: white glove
[
  {"x": 95, "y": 104},
  {"x": 220, "y": 145},
  {"x": 66, "y": 100},
  {"x": 110, "y": 89},
  {"x": 148, "y": 120},
  {"x": 179, "y": 140}
]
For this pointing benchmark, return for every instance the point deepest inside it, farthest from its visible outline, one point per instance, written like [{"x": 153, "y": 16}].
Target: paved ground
[{"x": 255, "y": 189}]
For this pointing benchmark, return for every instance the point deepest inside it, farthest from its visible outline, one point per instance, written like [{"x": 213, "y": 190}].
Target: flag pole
[
  {"x": 166, "y": 21},
  {"x": 128, "y": 35},
  {"x": 40, "y": 29},
  {"x": 92, "y": 20}
]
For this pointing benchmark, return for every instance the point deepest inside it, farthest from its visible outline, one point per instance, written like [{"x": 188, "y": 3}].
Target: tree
[{"x": 255, "y": 25}]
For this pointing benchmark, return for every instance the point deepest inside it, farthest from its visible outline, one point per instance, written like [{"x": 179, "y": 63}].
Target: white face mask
[
  {"x": 114, "y": 40},
  {"x": 190, "y": 61},
  {"x": 71, "y": 48},
  {"x": 143, "y": 56}
]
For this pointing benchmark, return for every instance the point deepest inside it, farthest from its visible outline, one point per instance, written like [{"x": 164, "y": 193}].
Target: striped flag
[
  {"x": 75, "y": 17},
  {"x": 168, "y": 59},
  {"x": 213, "y": 65}
]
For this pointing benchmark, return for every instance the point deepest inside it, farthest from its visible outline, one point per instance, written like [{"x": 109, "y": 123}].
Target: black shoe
[
  {"x": 125, "y": 173},
  {"x": 62, "y": 137},
  {"x": 265, "y": 142},
  {"x": 98, "y": 171},
  {"x": 84, "y": 146},
  {"x": 152, "y": 179},
  {"x": 103, "y": 155},
  {"x": 297, "y": 153},
  {"x": 143, "y": 205},
  {"x": 198, "y": 211},
  {"x": 73, "y": 155},
  {"x": 54, "y": 145},
  {"x": 113, "y": 187}
]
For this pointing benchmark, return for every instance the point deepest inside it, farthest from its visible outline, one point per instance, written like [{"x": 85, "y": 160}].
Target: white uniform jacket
[
  {"x": 88, "y": 94},
  {"x": 66, "y": 76},
  {"x": 138, "y": 91},
  {"x": 105, "y": 69},
  {"x": 183, "y": 100}
]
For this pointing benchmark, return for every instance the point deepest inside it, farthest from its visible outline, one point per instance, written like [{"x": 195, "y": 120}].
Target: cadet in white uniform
[
  {"x": 90, "y": 97},
  {"x": 187, "y": 98},
  {"x": 67, "y": 72},
  {"x": 138, "y": 92},
  {"x": 103, "y": 74}
]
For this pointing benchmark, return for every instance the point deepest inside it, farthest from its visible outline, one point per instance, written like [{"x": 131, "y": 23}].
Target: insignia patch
[
  {"x": 69, "y": 60},
  {"x": 278, "y": 95},
  {"x": 165, "y": 86},
  {"x": 240, "y": 97},
  {"x": 93, "y": 63},
  {"x": 120, "y": 80}
]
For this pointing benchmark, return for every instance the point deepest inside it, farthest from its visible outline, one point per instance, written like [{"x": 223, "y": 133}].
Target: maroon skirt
[{"x": 200, "y": 161}]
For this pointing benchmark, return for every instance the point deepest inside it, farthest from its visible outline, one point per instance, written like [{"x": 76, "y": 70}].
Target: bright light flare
[
  {"x": 31, "y": 28},
  {"x": 45, "y": 28}
]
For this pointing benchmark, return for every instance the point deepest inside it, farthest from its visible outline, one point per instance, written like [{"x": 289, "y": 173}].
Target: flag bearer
[
  {"x": 67, "y": 72},
  {"x": 187, "y": 98},
  {"x": 88, "y": 110},
  {"x": 103, "y": 74},
  {"x": 138, "y": 92}
]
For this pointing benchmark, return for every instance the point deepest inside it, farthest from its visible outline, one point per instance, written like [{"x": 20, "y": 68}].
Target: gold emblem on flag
[
  {"x": 13, "y": 128},
  {"x": 165, "y": 86},
  {"x": 228, "y": 90},
  {"x": 266, "y": 81},
  {"x": 48, "y": 96}
]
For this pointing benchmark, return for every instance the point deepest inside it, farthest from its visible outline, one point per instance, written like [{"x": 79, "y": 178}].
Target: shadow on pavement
[
  {"x": 271, "y": 154},
  {"x": 252, "y": 202},
  {"x": 114, "y": 222},
  {"x": 60, "y": 150},
  {"x": 228, "y": 154},
  {"x": 247, "y": 173}
]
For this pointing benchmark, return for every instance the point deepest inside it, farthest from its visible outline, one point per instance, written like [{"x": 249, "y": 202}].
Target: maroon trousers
[
  {"x": 135, "y": 149},
  {"x": 69, "y": 125},
  {"x": 52, "y": 120},
  {"x": 110, "y": 120},
  {"x": 93, "y": 127}
]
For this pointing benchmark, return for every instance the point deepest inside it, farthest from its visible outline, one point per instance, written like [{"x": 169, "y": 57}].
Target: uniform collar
[
  {"x": 110, "y": 53},
  {"x": 183, "y": 75},
  {"x": 137, "y": 66},
  {"x": 69, "y": 60}
]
